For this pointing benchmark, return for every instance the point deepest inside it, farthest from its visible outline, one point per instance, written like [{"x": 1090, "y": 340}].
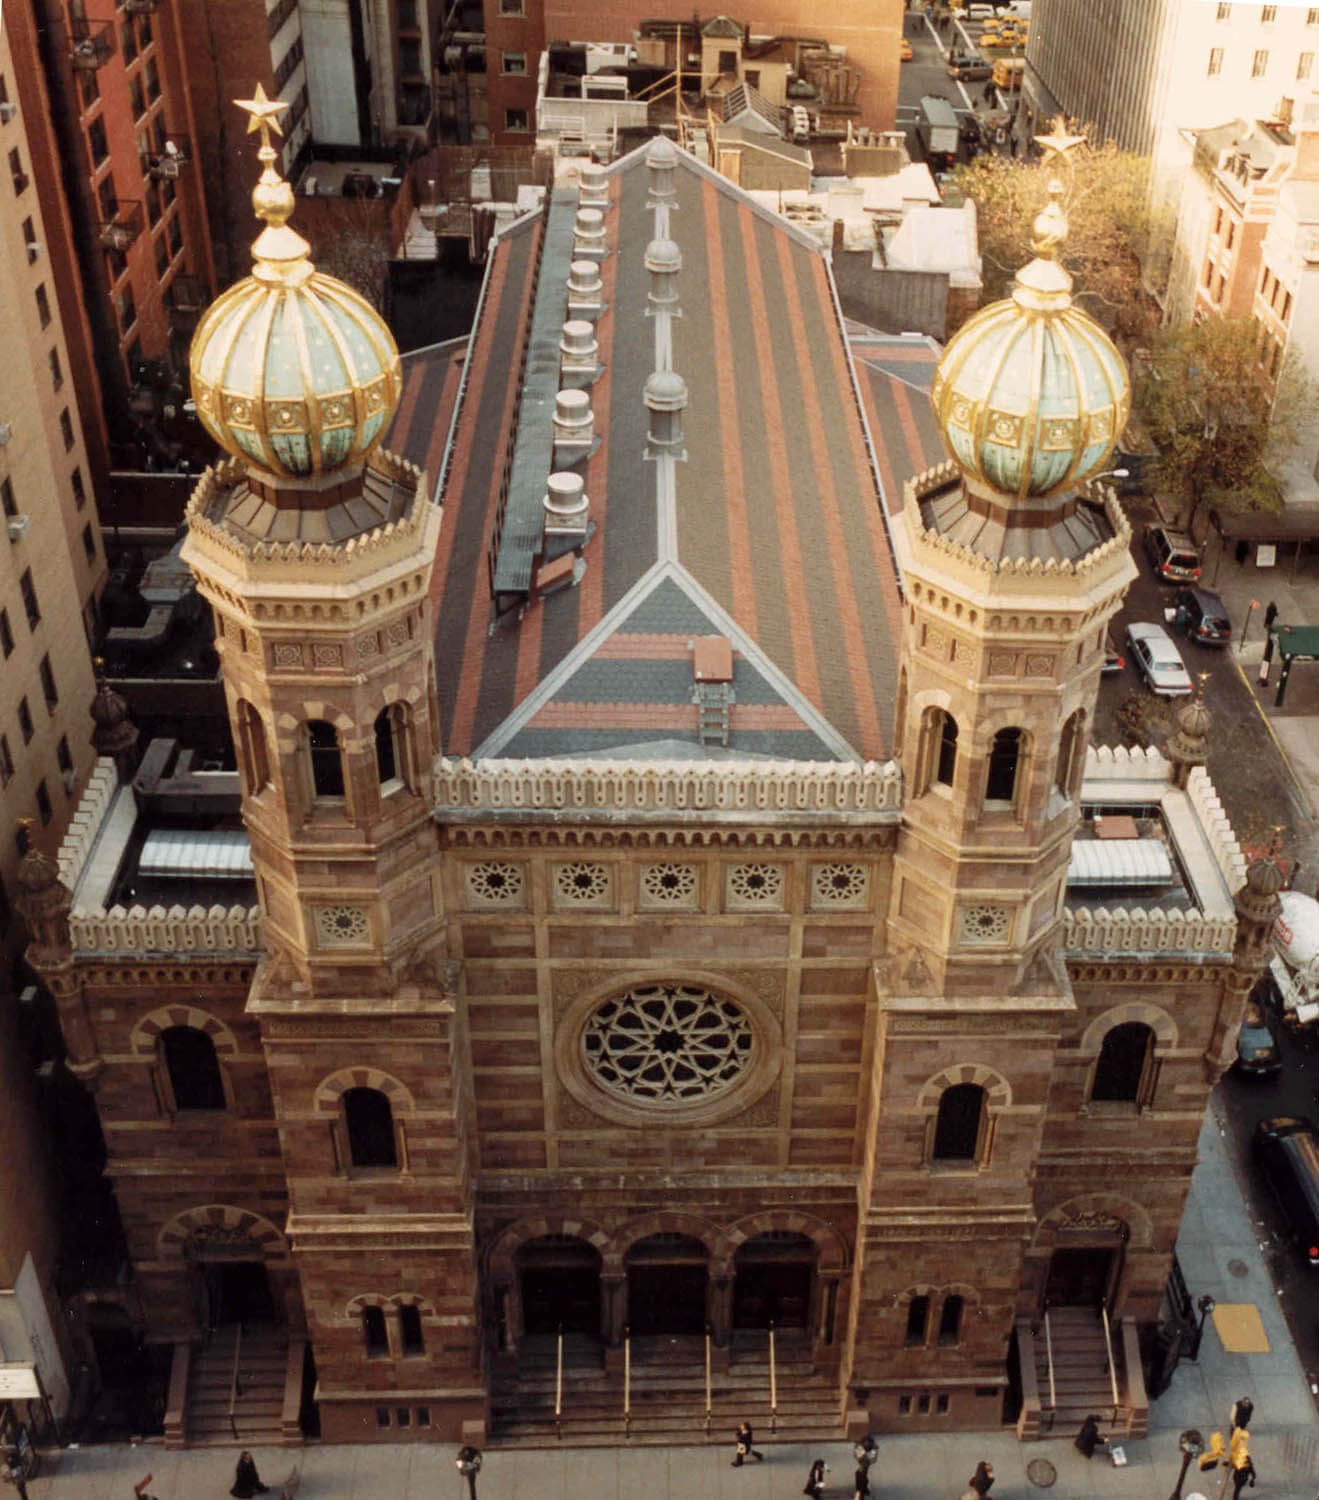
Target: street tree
[
  {"x": 1220, "y": 423},
  {"x": 1112, "y": 228}
]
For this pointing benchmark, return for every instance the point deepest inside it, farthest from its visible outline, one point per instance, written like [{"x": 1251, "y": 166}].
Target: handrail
[
  {"x": 708, "y": 1404},
  {"x": 627, "y": 1383},
  {"x": 235, "y": 1389},
  {"x": 1048, "y": 1345},
  {"x": 1112, "y": 1367},
  {"x": 773, "y": 1384},
  {"x": 558, "y": 1387}
]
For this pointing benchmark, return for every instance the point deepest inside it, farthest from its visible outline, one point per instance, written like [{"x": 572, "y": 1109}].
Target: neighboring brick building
[{"x": 681, "y": 900}]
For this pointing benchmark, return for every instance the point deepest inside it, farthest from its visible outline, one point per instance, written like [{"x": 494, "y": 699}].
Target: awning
[
  {"x": 210, "y": 855},
  {"x": 1119, "y": 862}
]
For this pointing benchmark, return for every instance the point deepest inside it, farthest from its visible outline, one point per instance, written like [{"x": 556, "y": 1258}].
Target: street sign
[
  {"x": 1266, "y": 555},
  {"x": 19, "y": 1383}
]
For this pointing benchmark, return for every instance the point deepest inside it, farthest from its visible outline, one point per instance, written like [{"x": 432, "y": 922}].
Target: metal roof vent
[
  {"x": 663, "y": 261},
  {"x": 661, "y": 163},
  {"x": 585, "y": 287},
  {"x": 579, "y": 347},
  {"x": 588, "y": 233},
  {"x": 574, "y": 426},
  {"x": 594, "y": 186},
  {"x": 567, "y": 509},
  {"x": 665, "y": 397}
]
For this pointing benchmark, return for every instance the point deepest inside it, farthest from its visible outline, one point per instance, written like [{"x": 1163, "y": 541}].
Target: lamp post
[
  {"x": 1205, "y": 1306},
  {"x": 1191, "y": 1442},
  {"x": 469, "y": 1466}
]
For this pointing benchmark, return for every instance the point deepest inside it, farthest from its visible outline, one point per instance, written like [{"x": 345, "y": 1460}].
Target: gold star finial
[
  {"x": 1058, "y": 143},
  {"x": 264, "y": 113}
]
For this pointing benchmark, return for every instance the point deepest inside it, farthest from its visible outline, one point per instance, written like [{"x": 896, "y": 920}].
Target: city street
[{"x": 926, "y": 74}]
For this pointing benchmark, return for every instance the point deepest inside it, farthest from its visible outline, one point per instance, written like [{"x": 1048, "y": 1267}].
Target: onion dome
[
  {"x": 1030, "y": 393},
  {"x": 1189, "y": 745},
  {"x": 1265, "y": 877},
  {"x": 109, "y": 710},
  {"x": 292, "y": 370},
  {"x": 1261, "y": 899}
]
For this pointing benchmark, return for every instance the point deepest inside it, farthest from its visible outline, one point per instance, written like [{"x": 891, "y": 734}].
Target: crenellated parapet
[
  {"x": 229, "y": 931},
  {"x": 750, "y": 787},
  {"x": 1149, "y": 933}
]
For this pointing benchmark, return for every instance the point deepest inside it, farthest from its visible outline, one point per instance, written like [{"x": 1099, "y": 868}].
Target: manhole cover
[
  {"x": 1238, "y": 1268},
  {"x": 1041, "y": 1473}
]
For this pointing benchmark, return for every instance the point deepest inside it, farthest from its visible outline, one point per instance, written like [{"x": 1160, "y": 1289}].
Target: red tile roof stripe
[
  {"x": 567, "y": 715},
  {"x": 845, "y": 596},
  {"x": 648, "y": 647},
  {"x": 887, "y": 471}
]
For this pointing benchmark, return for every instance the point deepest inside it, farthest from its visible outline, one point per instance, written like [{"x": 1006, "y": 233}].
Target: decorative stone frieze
[{"x": 140, "y": 930}]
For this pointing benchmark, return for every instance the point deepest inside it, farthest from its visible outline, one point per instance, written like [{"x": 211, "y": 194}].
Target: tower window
[
  {"x": 938, "y": 749},
  {"x": 947, "y": 759},
  {"x": 409, "y": 1328},
  {"x": 1071, "y": 753},
  {"x": 950, "y": 1320},
  {"x": 192, "y": 1068},
  {"x": 253, "y": 746},
  {"x": 918, "y": 1317},
  {"x": 326, "y": 761},
  {"x": 1124, "y": 1073},
  {"x": 1004, "y": 758},
  {"x": 391, "y": 746},
  {"x": 960, "y": 1126},
  {"x": 374, "y": 1332},
  {"x": 370, "y": 1123}
]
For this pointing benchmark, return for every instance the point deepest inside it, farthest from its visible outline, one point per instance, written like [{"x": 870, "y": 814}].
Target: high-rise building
[
  {"x": 667, "y": 895},
  {"x": 105, "y": 90},
  {"x": 1142, "y": 71}
]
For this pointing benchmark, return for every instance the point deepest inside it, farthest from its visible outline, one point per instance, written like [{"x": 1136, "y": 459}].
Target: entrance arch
[
  {"x": 559, "y": 1285},
  {"x": 773, "y": 1280},
  {"x": 667, "y": 1279}
]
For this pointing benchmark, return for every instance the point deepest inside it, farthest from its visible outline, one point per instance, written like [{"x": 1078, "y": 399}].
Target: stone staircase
[
  {"x": 668, "y": 1395},
  {"x": 1082, "y": 1380},
  {"x": 262, "y": 1365}
]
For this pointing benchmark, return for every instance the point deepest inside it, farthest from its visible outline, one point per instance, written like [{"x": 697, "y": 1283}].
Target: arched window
[
  {"x": 918, "y": 1318},
  {"x": 253, "y": 747},
  {"x": 1071, "y": 751},
  {"x": 1124, "y": 1073},
  {"x": 960, "y": 1126},
  {"x": 938, "y": 748},
  {"x": 326, "y": 761},
  {"x": 370, "y": 1124},
  {"x": 409, "y": 1329},
  {"x": 374, "y": 1332},
  {"x": 950, "y": 1320},
  {"x": 392, "y": 746},
  {"x": 192, "y": 1068},
  {"x": 1004, "y": 760}
]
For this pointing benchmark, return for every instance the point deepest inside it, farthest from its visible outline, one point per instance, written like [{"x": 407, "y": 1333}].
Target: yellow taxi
[{"x": 905, "y": 53}]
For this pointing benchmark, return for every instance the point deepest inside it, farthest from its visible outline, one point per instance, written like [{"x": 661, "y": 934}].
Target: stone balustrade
[
  {"x": 810, "y": 787},
  {"x": 141, "y": 930},
  {"x": 93, "y": 805},
  {"x": 1145, "y": 933}
]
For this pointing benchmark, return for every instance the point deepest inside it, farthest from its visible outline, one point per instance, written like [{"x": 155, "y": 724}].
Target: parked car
[
  {"x": 1203, "y": 616},
  {"x": 1114, "y": 660},
  {"x": 1158, "y": 659},
  {"x": 969, "y": 69},
  {"x": 1287, "y": 1149},
  {"x": 1257, "y": 1047},
  {"x": 1172, "y": 554},
  {"x": 979, "y": 12},
  {"x": 905, "y": 52}
]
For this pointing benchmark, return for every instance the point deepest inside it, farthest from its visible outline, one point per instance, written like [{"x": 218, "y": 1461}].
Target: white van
[{"x": 979, "y": 12}]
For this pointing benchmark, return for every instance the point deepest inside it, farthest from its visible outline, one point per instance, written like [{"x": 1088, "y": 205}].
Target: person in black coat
[
  {"x": 862, "y": 1482},
  {"x": 1088, "y": 1439},
  {"x": 247, "y": 1482},
  {"x": 815, "y": 1479},
  {"x": 745, "y": 1445},
  {"x": 983, "y": 1479}
]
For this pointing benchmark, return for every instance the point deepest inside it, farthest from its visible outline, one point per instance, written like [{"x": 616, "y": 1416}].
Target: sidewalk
[{"x": 1219, "y": 1252}]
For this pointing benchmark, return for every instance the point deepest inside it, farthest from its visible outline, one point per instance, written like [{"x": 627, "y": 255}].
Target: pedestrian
[
  {"x": 1243, "y": 1474},
  {"x": 862, "y": 1482},
  {"x": 247, "y": 1482},
  {"x": 989, "y": 92},
  {"x": 814, "y": 1486},
  {"x": 1245, "y": 1408},
  {"x": 1270, "y": 615},
  {"x": 745, "y": 1445},
  {"x": 982, "y": 1480},
  {"x": 1089, "y": 1438}
]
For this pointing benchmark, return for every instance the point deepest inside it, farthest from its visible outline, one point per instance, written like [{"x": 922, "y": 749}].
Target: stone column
[
  {"x": 613, "y": 1317},
  {"x": 719, "y": 1315}
]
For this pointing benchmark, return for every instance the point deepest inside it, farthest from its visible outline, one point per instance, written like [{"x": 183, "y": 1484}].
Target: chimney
[
  {"x": 579, "y": 347},
  {"x": 663, "y": 261},
  {"x": 661, "y": 163},
  {"x": 567, "y": 510},
  {"x": 665, "y": 397},
  {"x": 585, "y": 288},
  {"x": 574, "y": 427},
  {"x": 588, "y": 233},
  {"x": 593, "y": 191}
]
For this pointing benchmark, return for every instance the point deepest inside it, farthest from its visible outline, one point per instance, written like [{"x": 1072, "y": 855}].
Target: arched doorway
[
  {"x": 774, "y": 1275},
  {"x": 667, "y": 1276},
  {"x": 559, "y": 1281}
]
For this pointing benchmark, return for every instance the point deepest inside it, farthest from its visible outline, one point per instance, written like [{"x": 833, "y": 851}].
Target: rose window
[
  {"x": 756, "y": 885},
  {"x": 668, "y": 885},
  {"x": 341, "y": 924},
  {"x": 667, "y": 1044},
  {"x": 838, "y": 886},
  {"x": 495, "y": 883},
  {"x": 582, "y": 884},
  {"x": 984, "y": 924}
]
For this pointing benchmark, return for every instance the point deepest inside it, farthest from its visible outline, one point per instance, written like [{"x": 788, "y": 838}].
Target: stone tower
[
  {"x": 1015, "y": 561},
  {"x": 314, "y": 548}
]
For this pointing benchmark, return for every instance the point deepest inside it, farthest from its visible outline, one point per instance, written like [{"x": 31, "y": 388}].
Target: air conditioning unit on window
[
  {"x": 18, "y": 526},
  {"x": 7, "y": 111}
]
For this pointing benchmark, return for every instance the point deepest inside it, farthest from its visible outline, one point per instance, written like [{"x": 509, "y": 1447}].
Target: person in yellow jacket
[{"x": 1239, "y": 1461}]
